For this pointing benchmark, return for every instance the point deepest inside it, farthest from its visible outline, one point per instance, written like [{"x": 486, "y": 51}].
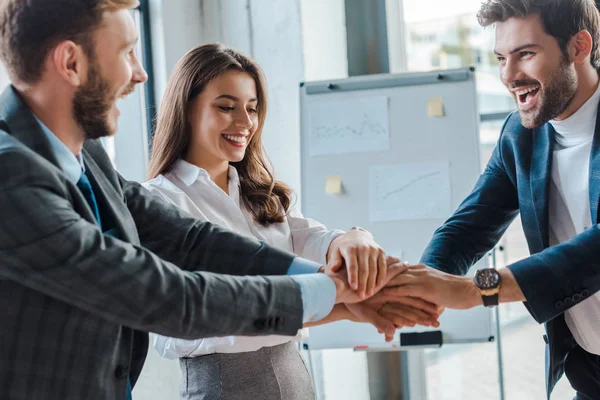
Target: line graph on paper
[
  {"x": 409, "y": 191},
  {"x": 349, "y": 126}
]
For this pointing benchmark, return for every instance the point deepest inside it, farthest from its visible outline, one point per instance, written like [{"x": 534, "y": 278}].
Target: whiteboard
[{"x": 406, "y": 148}]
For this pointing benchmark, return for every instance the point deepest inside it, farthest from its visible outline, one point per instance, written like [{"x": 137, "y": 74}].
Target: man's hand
[
  {"x": 363, "y": 259},
  {"x": 433, "y": 286}
]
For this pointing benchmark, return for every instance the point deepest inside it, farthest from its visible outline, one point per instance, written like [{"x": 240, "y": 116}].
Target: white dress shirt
[
  {"x": 191, "y": 189},
  {"x": 569, "y": 207}
]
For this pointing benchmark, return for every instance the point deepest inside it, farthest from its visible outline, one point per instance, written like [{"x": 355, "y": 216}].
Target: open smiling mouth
[
  {"x": 527, "y": 97},
  {"x": 238, "y": 141}
]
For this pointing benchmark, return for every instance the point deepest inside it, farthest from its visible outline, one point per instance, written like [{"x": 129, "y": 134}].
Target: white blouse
[{"x": 191, "y": 189}]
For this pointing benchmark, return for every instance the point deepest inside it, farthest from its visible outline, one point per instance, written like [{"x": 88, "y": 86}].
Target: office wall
[{"x": 324, "y": 40}]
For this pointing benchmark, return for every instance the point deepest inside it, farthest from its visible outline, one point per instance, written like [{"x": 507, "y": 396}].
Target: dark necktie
[{"x": 86, "y": 189}]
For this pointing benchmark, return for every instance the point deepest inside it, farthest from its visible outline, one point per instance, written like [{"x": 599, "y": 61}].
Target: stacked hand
[
  {"x": 362, "y": 259},
  {"x": 360, "y": 270},
  {"x": 434, "y": 286}
]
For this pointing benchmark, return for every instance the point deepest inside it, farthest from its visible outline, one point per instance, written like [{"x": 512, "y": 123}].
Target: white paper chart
[
  {"x": 349, "y": 126},
  {"x": 409, "y": 191}
]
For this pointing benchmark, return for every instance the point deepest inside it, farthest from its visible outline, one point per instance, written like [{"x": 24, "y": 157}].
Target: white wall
[
  {"x": 4, "y": 81},
  {"x": 175, "y": 28},
  {"x": 324, "y": 37}
]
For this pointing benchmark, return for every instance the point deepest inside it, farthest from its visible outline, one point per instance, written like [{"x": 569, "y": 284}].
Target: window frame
[{"x": 147, "y": 61}]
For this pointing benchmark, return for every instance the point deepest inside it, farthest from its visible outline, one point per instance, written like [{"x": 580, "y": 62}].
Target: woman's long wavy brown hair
[{"x": 266, "y": 198}]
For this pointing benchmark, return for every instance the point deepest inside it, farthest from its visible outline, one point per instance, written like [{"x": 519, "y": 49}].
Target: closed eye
[{"x": 226, "y": 108}]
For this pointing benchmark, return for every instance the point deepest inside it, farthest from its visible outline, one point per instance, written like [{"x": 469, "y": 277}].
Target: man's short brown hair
[
  {"x": 29, "y": 29},
  {"x": 561, "y": 19}
]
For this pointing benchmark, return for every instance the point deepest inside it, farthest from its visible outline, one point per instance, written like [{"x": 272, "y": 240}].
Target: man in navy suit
[{"x": 546, "y": 167}]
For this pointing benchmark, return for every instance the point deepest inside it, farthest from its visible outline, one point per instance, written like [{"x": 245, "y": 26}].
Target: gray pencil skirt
[{"x": 271, "y": 373}]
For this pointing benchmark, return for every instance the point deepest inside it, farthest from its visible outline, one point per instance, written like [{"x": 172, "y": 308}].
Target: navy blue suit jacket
[{"x": 553, "y": 279}]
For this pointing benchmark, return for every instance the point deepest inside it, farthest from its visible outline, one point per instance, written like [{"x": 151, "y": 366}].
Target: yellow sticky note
[
  {"x": 435, "y": 107},
  {"x": 333, "y": 184}
]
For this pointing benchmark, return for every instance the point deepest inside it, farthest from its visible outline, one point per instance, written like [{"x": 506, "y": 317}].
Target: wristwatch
[{"x": 487, "y": 281}]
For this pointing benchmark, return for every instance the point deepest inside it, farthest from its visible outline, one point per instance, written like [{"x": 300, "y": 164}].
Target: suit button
[
  {"x": 567, "y": 302},
  {"x": 545, "y": 338},
  {"x": 576, "y": 298},
  {"x": 121, "y": 372},
  {"x": 585, "y": 293},
  {"x": 559, "y": 305},
  {"x": 259, "y": 324}
]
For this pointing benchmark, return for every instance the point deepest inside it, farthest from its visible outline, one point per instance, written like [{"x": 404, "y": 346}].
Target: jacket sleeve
[
  {"x": 552, "y": 281},
  {"x": 561, "y": 276},
  {"x": 478, "y": 223},
  {"x": 198, "y": 245},
  {"x": 46, "y": 246}
]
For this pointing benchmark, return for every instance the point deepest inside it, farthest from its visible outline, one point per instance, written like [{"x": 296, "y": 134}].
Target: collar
[
  {"x": 579, "y": 127},
  {"x": 189, "y": 173},
  {"x": 71, "y": 165}
]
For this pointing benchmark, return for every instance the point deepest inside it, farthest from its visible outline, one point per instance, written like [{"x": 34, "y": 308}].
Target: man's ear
[
  {"x": 70, "y": 62},
  {"x": 580, "y": 47}
]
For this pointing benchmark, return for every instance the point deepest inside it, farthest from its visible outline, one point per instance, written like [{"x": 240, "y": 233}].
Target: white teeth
[
  {"x": 237, "y": 139},
  {"x": 525, "y": 91}
]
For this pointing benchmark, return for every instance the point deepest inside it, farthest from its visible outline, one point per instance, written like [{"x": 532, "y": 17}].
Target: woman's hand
[{"x": 364, "y": 260}]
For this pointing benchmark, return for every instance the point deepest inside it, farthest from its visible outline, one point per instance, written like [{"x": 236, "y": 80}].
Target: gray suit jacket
[{"x": 75, "y": 304}]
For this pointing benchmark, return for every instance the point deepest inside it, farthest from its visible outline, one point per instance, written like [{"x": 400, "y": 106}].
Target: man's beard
[
  {"x": 558, "y": 94},
  {"x": 93, "y": 102}
]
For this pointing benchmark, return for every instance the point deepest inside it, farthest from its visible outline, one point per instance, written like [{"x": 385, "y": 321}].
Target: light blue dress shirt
[
  {"x": 70, "y": 164},
  {"x": 318, "y": 290}
]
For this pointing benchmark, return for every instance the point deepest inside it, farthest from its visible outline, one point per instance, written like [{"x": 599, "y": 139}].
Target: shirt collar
[
  {"x": 71, "y": 165},
  {"x": 580, "y": 126},
  {"x": 189, "y": 173}
]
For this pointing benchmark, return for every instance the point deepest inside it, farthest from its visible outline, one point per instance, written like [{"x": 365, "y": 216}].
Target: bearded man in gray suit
[{"x": 90, "y": 262}]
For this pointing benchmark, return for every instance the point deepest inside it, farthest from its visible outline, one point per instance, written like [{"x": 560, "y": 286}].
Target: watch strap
[{"x": 490, "y": 301}]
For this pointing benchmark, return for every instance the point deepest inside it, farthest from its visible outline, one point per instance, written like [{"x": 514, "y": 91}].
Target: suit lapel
[
  {"x": 23, "y": 126},
  {"x": 595, "y": 173},
  {"x": 111, "y": 201},
  {"x": 540, "y": 175}
]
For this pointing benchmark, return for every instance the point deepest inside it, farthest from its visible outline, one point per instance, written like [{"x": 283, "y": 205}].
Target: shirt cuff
[
  {"x": 301, "y": 266},
  {"x": 318, "y": 295}
]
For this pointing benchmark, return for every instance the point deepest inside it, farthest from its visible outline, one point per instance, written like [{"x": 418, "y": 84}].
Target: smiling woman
[
  {"x": 221, "y": 124},
  {"x": 208, "y": 160}
]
